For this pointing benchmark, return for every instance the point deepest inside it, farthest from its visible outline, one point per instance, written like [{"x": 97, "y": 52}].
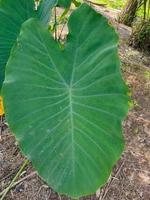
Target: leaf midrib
[
  {"x": 72, "y": 129},
  {"x": 70, "y": 87}
]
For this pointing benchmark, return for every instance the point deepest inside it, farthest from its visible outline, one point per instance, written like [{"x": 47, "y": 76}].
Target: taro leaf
[
  {"x": 12, "y": 14},
  {"x": 64, "y": 3},
  {"x": 44, "y": 10},
  {"x": 69, "y": 103}
]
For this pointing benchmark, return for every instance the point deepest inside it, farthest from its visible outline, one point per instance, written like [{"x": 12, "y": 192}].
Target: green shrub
[{"x": 141, "y": 35}]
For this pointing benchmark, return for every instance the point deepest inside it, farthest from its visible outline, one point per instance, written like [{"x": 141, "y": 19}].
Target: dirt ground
[{"x": 131, "y": 176}]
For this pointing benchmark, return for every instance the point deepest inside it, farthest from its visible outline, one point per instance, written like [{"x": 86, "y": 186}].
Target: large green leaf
[
  {"x": 12, "y": 14},
  {"x": 44, "y": 10},
  {"x": 65, "y": 106},
  {"x": 64, "y": 3}
]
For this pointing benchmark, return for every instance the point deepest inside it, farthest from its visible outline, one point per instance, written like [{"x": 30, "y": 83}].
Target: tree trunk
[{"x": 128, "y": 14}]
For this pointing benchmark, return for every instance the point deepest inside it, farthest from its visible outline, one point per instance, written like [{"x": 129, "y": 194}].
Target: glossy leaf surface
[{"x": 69, "y": 103}]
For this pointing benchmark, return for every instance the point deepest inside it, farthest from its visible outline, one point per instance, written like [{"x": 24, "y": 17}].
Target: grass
[{"x": 116, "y": 4}]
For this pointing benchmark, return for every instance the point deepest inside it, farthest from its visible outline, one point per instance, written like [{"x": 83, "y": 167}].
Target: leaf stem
[
  {"x": 25, "y": 163},
  {"x": 63, "y": 20},
  {"x": 55, "y": 24},
  {"x": 1, "y": 125}
]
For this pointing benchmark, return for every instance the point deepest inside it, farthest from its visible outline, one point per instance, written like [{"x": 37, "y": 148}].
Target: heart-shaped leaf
[
  {"x": 69, "y": 103},
  {"x": 12, "y": 14}
]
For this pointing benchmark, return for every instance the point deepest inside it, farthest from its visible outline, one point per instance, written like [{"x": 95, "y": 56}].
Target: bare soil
[{"x": 130, "y": 179}]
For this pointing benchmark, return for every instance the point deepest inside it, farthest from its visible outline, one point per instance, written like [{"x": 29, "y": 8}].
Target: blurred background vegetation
[{"x": 136, "y": 14}]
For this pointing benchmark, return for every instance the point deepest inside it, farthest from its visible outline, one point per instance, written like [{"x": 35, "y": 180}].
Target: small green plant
[
  {"x": 140, "y": 37},
  {"x": 64, "y": 105},
  {"x": 147, "y": 75}
]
